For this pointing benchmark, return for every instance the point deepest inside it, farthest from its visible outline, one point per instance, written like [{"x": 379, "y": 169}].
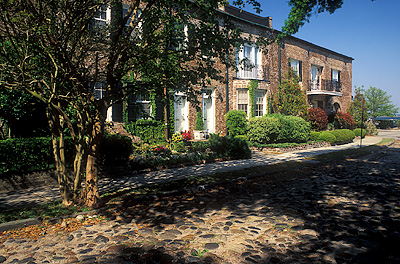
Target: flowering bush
[
  {"x": 344, "y": 121},
  {"x": 317, "y": 118},
  {"x": 161, "y": 150},
  {"x": 186, "y": 135},
  {"x": 177, "y": 137}
]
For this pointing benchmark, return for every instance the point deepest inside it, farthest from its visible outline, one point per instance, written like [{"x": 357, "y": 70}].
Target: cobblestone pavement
[{"x": 345, "y": 212}]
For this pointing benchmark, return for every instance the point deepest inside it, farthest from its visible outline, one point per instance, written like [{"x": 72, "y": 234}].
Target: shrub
[
  {"x": 314, "y": 135},
  {"x": 344, "y": 121},
  {"x": 357, "y": 132},
  {"x": 234, "y": 148},
  {"x": 179, "y": 146},
  {"x": 22, "y": 155},
  {"x": 293, "y": 129},
  {"x": 343, "y": 135},
  {"x": 371, "y": 128},
  {"x": 317, "y": 118},
  {"x": 199, "y": 121},
  {"x": 242, "y": 137},
  {"x": 327, "y": 136},
  {"x": 263, "y": 130},
  {"x": 115, "y": 150},
  {"x": 148, "y": 130},
  {"x": 275, "y": 128},
  {"x": 236, "y": 122},
  {"x": 25, "y": 155}
]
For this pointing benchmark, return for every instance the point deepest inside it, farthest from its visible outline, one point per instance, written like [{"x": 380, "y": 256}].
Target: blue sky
[{"x": 368, "y": 31}]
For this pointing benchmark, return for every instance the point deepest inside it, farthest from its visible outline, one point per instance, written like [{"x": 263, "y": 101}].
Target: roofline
[{"x": 277, "y": 31}]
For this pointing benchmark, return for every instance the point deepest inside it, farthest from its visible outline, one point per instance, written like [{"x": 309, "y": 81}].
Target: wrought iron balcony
[{"x": 324, "y": 86}]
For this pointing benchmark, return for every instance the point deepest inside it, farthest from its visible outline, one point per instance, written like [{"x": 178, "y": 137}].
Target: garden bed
[{"x": 292, "y": 148}]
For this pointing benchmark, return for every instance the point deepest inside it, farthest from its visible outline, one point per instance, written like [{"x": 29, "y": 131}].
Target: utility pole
[{"x": 362, "y": 120}]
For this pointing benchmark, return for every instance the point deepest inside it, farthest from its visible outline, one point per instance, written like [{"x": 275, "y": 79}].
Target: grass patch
[
  {"x": 351, "y": 153},
  {"x": 45, "y": 211}
]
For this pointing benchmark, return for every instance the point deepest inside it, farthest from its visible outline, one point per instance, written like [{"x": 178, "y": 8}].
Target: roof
[{"x": 266, "y": 22}]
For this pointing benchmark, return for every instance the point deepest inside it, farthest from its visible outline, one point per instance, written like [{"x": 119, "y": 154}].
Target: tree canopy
[
  {"x": 302, "y": 10},
  {"x": 358, "y": 110},
  {"x": 378, "y": 103},
  {"x": 62, "y": 51}
]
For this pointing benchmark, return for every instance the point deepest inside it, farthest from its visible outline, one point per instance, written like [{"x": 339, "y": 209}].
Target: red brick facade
[{"x": 274, "y": 65}]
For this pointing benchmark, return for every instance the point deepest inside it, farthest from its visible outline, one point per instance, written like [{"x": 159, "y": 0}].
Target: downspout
[
  {"x": 226, "y": 89},
  {"x": 279, "y": 59}
]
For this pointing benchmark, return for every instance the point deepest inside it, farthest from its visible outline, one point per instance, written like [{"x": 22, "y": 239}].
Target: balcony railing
[
  {"x": 256, "y": 72},
  {"x": 324, "y": 85}
]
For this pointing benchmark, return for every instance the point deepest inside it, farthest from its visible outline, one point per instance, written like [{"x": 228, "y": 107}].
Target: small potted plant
[{"x": 199, "y": 127}]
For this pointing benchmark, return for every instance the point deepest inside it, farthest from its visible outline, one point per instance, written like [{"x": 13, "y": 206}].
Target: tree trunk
[
  {"x": 79, "y": 157},
  {"x": 56, "y": 124},
  {"x": 92, "y": 190}
]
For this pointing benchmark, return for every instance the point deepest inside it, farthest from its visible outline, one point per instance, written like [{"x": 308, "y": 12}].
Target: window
[
  {"x": 249, "y": 62},
  {"x": 137, "y": 31},
  {"x": 243, "y": 100},
  {"x": 143, "y": 106},
  {"x": 259, "y": 103},
  {"x": 179, "y": 37},
  {"x": 103, "y": 14},
  {"x": 316, "y": 72},
  {"x": 296, "y": 66},
  {"x": 99, "y": 91},
  {"x": 336, "y": 80}
]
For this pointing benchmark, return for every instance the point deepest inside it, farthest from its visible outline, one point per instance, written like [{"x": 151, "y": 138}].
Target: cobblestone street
[{"x": 346, "y": 212}]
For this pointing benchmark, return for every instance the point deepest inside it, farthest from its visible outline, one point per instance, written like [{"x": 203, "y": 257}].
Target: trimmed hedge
[
  {"x": 276, "y": 128},
  {"x": 314, "y": 135},
  {"x": 115, "y": 150},
  {"x": 24, "y": 155},
  {"x": 236, "y": 122},
  {"x": 343, "y": 135},
  {"x": 234, "y": 148},
  {"x": 327, "y": 136}
]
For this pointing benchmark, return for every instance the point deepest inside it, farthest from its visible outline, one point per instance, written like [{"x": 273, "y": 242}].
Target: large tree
[
  {"x": 58, "y": 52},
  {"x": 378, "y": 103}
]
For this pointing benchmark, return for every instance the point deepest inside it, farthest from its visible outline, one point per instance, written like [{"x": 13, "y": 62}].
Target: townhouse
[{"x": 325, "y": 76}]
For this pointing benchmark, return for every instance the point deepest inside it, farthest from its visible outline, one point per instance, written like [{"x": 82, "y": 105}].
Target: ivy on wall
[{"x": 252, "y": 87}]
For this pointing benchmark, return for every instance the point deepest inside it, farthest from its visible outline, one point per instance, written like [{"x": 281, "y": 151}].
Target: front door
[
  {"x": 181, "y": 108},
  {"x": 209, "y": 111}
]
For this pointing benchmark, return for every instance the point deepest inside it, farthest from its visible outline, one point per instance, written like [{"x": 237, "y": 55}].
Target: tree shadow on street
[{"x": 342, "y": 212}]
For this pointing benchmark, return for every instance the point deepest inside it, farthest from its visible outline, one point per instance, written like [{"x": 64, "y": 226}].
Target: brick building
[{"x": 325, "y": 75}]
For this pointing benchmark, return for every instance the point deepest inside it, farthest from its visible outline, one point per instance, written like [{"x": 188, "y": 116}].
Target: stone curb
[{"x": 38, "y": 220}]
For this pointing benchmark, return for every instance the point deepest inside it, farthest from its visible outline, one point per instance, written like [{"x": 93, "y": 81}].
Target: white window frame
[
  {"x": 296, "y": 67},
  {"x": 246, "y": 91},
  {"x": 259, "y": 97},
  {"x": 254, "y": 60},
  {"x": 317, "y": 83},
  {"x": 108, "y": 14},
  {"x": 141, "y": 102},
  {"x": 99, "y": 91}
]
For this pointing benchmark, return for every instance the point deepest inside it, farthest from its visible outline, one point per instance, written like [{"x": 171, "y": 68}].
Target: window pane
[{"x": 243, "y": 100}]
